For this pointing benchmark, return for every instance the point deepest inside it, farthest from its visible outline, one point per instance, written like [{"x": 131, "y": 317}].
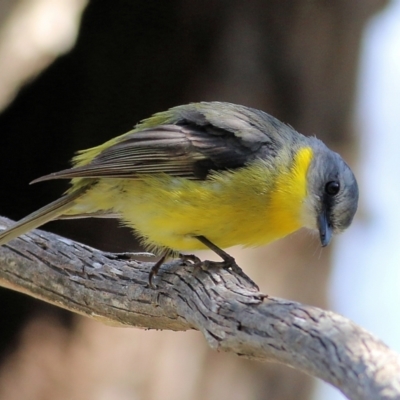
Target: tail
[{"x": 45, "y": 214}]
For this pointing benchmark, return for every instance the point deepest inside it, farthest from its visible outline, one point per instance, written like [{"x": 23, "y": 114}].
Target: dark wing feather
[{"x": 186, "y": 148}]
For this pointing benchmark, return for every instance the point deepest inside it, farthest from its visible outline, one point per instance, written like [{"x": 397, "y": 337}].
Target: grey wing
[{"x": 184, "y": 149}]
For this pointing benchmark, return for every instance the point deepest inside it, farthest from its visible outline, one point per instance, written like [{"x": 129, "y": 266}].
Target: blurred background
[{"x": 74, "y": 73}]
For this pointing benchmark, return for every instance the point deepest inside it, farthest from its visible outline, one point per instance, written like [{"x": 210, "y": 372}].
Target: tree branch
[{"x": 232, "y": 315}]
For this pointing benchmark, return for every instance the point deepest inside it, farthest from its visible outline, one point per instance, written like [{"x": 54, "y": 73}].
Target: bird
[{"x": 206, "y": 175}]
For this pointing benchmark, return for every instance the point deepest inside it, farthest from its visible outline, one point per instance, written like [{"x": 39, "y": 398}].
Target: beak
[{"x": 325, "y": 228}]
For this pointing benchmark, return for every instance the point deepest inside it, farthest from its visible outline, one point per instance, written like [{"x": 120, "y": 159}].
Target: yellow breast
[
  {"x": 285, "y": 206},
  {"x": 250, "y": 206}
]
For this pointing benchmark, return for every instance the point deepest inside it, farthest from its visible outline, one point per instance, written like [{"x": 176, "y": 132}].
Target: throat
[{"x": 289, "y": 195}]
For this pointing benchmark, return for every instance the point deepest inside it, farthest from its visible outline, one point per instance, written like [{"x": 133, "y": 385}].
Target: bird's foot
[
  {"x": 228, "y": 263},
  {"x": 154, "y": 270},
  {"x": 189, "y": 257}
]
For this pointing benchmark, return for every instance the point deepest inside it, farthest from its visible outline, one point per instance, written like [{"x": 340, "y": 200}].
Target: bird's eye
[{"x": 332, "y": 188}]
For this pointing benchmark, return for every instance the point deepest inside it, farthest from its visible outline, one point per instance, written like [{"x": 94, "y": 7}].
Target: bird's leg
[
  {"x": 155, "y": 268},
  {"x": 228, "y": 260}
]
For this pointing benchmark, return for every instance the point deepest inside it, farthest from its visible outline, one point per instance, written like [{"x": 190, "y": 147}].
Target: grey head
[{"x": 332, "y": 193}]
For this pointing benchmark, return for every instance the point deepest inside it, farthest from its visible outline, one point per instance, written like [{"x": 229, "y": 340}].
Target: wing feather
[{"x": 185, "y": 148}]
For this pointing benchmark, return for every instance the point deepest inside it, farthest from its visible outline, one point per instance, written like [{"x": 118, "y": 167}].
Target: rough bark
[{"x": 231, "y": 313}]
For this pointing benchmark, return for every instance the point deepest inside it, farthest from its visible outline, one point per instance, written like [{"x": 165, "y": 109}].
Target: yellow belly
[{"x": 251, "y": 206}]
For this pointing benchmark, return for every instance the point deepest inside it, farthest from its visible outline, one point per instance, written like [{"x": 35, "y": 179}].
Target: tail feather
[{"x": 45, "y": 214}]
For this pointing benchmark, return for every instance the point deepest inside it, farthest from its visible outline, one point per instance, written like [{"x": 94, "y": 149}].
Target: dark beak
[{"x": 325, "y": 228}]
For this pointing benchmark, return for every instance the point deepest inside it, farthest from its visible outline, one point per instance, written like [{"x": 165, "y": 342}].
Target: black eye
[{"x": 332, "y": 188}]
